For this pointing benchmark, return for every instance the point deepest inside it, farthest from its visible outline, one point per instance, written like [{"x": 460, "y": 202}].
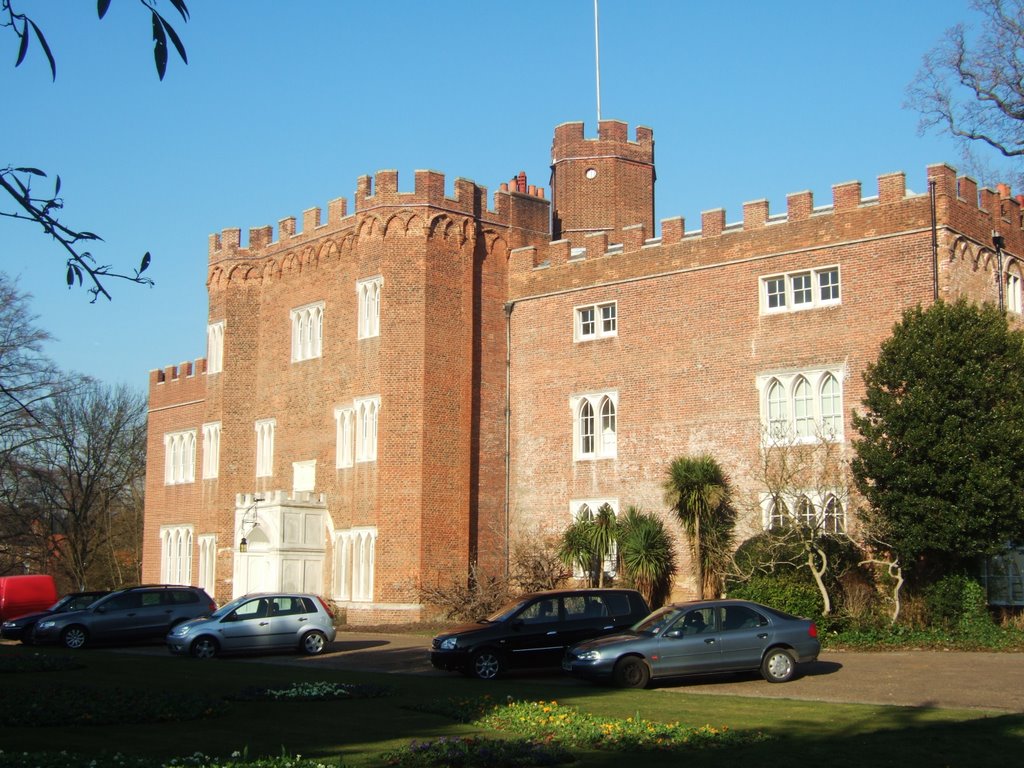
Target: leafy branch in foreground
[
  {"x": 43, "y": 210},
  {"x": 26, "y": 29}
]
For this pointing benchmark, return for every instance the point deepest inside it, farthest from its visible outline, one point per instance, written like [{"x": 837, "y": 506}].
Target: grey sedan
[
  {"x": 258, "y": 622},
  {"x": 699, "y": 637}
]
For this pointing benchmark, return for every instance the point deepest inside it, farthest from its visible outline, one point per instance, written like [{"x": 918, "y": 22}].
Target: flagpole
[{"x": 597, "y": 63}]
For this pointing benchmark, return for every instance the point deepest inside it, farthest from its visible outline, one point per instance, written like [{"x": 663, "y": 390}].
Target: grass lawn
[{"x": 358, "y": 731}]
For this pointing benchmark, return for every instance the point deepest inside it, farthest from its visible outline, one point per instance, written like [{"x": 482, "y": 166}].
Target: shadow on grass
[{"x": 802, "y": 733}]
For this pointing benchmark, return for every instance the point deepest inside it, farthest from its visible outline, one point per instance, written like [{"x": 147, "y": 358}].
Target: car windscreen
[
  {"x": 656, "y": 623},
  {"x": 227, "y": 608},
  {"x": 504, "y": 613}
]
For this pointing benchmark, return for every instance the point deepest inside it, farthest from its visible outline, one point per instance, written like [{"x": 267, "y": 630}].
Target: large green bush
[
  {"x": 957, "y": 602},
  {"x": 792, "y": 591}
]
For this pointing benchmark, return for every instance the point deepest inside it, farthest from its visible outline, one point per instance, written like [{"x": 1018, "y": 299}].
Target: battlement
[
  {"x": 959, "y": 202},
  {"x": 612, "y": 138},
  {"x": 177, "y": 384},
  {"x": 279, "y": 497},
  {"x": 374, "y": 193}
]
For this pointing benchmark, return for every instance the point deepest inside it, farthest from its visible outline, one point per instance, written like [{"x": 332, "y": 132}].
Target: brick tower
[{"x": 602, "y": 184}]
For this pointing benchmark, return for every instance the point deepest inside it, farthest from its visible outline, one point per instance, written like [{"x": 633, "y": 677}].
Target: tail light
[
  {"x": 812, "y": 630},
  {"x": 327, "y": 606}
]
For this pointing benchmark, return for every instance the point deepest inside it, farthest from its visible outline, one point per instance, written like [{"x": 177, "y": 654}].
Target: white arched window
[
  {"x": 344, "y": 437},
  {"x": 778, "y": 410},
  {"x": 307, "y": 332},
  {"x": 595, "y": 425},
  {"x": 367, "y": 413},
  {"x": 831, "y": 407},
  {"x": 803, "y": 408},
  {"x": 833, "y": 516},
  {"x": 180, "y": 457},
  {"x": 355, "y": 557},
  {"x": 176, "y": 554},
  {"x": 805, "y": 513},
  {"x": 778, "y": 515},
  {"x": 368, "y": 292},
  {"x": 587, "y": 443},
  {"x": 265, "y": 447},
  {"x": 215, "y": 347},
  {"x": 608, "y": 438},
  {"x": 211, "y": 450}
]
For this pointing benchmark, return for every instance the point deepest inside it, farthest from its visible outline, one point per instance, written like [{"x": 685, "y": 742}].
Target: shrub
[
  {"x": 790, "y": 591},
  {"x": 957, "y": 602}
]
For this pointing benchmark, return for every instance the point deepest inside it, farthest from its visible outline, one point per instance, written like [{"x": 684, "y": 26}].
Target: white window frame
[
  {"x": 796, "y": 408},
  {"x": 307, "y": 331},
  {"x": 211, "y": 450},
  {"x": 1012, "y": 293},
  {"x": 595, "y": 321},
  {"x": 354, "y": 564},
  {"x": 577, "y": 508},
  {"x": 304, "y": 475},
  {"x": 367, "y": 423},
  {"x": 215, "y": 347},
  {"x": 208, "y": 562},
  {"x": 344, "y": 427},
  {"x": 180, "y": 457},
  {"x": 594, "y": 435},
  {"x": 801, "y": 289},
  {"x": 369, "y": 292},
  {"x": 265, "y": 429},
  {"x": 176, "y": 554},
  {"x": 802, "y": 507}
]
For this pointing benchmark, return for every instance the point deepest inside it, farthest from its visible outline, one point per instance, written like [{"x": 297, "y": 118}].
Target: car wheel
[
  {"x": 313, "y": 643},
  {"x": 74, "y": 637},
  {"x": 632, "y": 672},
  {"x": 204, "y": 647},
  {"x": 778, "y": 666},
  {"x": 487, "y": 664}
]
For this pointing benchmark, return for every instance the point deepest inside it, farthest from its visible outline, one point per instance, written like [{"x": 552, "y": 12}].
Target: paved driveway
[{"x": 948, "y": 679}]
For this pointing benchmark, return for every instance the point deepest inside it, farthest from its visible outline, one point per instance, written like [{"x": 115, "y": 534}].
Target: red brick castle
[{"x": 395, "y": 393}]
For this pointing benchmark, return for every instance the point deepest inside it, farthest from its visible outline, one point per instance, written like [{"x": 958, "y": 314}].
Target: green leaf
[
  {"x": 102, "y": 6},
  {"x": 46, "y": 49},
  {"x": 181, "y": 8},
  {"x": 70, "y": 276},
  {"x": 174, "y": 39},
  {"x": 23, "y": 48},
  {"x": 145, "y": 262},
  {"x": 159, "y": 46},
  {"x": 33, "y": 171}
]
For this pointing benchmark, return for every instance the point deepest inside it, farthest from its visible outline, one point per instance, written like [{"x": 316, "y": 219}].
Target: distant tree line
[{"x": 72, "y": 463}]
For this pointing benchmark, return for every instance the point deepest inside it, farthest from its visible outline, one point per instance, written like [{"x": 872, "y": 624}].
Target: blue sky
[{"x": 284, "y": 104}]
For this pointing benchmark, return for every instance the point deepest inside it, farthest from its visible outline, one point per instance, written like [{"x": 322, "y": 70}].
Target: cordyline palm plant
[
  {"x": 646, "y": 553},
  {"x": 697, "y": 489},
  {"x": 589, "y": 542}
]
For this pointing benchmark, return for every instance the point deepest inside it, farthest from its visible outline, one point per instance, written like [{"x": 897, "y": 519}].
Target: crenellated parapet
[
  {"x": 380, "y": 208},
  {"x": 612, "y": 137},
  {"x": 177, "y": 384},
  {"x": 975, "y": 213}
]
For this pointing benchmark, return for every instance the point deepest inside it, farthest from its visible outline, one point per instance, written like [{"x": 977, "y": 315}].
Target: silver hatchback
[{"x": 270, "y": 621}]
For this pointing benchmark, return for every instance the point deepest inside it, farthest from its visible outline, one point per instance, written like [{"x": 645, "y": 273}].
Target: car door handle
[
  {"x": 552, "y": 632},
  {"x": 762, "y": 636},
  {"x": 264, "y": 623},
  {"x": 303, "y": 619},
  {"x": 709, "y": 641}
]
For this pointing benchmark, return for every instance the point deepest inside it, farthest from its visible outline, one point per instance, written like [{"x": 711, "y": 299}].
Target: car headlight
[
  {"x": 181, "y": 630},
  {"x": 8, "y": 624},
  {"x": 588, "y": 655},
  {"x": 46, "y": 624},
  {"x": 449, "y": 644}
]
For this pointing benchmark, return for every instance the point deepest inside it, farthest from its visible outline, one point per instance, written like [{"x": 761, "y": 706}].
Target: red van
[{"x": 25, "y": 594}]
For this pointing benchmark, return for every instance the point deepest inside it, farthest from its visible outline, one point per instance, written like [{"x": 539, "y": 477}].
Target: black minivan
[{"x": 534, "y": 630}]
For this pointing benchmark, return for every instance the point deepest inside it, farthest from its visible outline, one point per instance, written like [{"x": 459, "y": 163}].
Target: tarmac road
[{"x": 945, "y": 679}]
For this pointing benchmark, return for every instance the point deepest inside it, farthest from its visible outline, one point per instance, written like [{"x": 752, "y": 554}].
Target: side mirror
[{"x": 673, "y": 633}]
